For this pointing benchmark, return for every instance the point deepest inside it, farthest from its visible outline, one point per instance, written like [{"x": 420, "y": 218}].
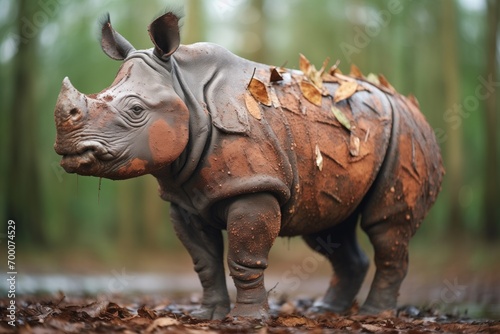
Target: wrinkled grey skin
[{"x": 179, "y": 114}]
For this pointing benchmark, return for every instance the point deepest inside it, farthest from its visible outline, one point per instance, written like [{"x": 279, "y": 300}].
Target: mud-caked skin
[{"x": 228, "y": 159}]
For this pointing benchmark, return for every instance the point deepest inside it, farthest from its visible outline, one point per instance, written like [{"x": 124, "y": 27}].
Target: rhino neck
[{"x": 190, "y": 90}]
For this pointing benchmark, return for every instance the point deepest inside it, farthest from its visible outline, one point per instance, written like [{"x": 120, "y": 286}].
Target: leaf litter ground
[{"x": 151, "y": 314}]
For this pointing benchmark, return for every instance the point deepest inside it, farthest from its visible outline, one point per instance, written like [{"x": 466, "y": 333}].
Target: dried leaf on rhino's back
[
  {"x": 373, "y": 78},
  {"x": 311, "y": 92},
  {"x": 345, "y": 91},
  {"x": 341, "y": 117},
  {"x": 253, "y": 106},
  {"x": 319, "y": 158},
  {"x": 258, "y": 90},
  {"x": 354, "y": 144},
  {"x": 304, "y": 65},
  {"x": 356, "y": 72},
  {"x": 275, "y": 75}
]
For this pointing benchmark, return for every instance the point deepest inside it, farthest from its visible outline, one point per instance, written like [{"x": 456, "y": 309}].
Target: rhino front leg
[
  {"x": 206, "y": 247},
  {"x": 253, "y": 223}
]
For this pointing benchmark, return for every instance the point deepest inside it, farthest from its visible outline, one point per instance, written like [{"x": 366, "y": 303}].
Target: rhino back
[{"x": 320, "y": 167}]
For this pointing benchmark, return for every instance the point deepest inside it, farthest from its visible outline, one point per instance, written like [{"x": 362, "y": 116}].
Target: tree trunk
[
  {"x": 454, "y": 149},
  {"x": 492, "y": 180},
  {"x": 24, "y": 202}
]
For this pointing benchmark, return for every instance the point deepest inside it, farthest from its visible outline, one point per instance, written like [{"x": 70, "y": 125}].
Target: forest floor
[
  {"x": 61, "y": 314},
  {"x": 451, "y": 287}
]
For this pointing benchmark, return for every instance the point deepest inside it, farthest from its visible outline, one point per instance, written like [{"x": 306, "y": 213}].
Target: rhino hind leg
[
  {"x": 339, "y": 244},
  {"x": 390, "y": 241}
]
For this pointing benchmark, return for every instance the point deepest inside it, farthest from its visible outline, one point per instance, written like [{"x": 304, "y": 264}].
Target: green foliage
[{"x": 400, "y": 39}]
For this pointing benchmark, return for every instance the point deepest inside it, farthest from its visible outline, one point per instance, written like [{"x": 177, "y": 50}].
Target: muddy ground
[
  {"x": 450, "y": 288},
  {"x": 62, "y": 314}
]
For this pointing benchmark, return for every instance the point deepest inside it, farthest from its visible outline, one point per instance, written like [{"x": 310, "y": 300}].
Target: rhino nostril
[{"x": 74, "y": 112}]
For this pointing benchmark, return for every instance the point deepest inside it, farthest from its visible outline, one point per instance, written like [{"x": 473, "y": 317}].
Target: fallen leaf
[
  {"x": 384, "y": 83},
  {"x": 275, "y": 75},
  {"x": 354, "y": 145},
  {"x": 146, "y": 312},
  {"x": 373, "y": 78},
  {"x": 341, "y": 117},
  {"x": 355, "y": 72},
  {"x": 335, "y": 68},
  {"x": 311, "y": 92},
  {"x": 316, "y": 76},
  {"x": 304, "y": 65},
  {"x": 258, "y": 90},
  {"x": 414, "y": 100},
  {"x": 372, "y": 328},
  {"x": 319, "y": 158},
  {"x": 253, "y": 106},
  {"x": 162, "y": 322},
  {"x": 329, "y": 78},
  {"x": 345, "y": 91},
  {"x": 94, "y": 310}
]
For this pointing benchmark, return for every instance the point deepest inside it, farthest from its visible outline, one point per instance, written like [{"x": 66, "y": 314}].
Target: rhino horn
[
  {"x": 164, "y": 32},
  {"x": 113, "y": 44}
]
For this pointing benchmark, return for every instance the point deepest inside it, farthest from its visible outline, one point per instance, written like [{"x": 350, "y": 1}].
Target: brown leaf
[
  {"x": 383, "y": 81},
  {"x": 329, "y": 78},
  {"x": 94, "y": 310},
  {"x": 335, "y": 68},
  {"x": 275, "y": 75},
  {"x": 253, "y": 106},
  {"x": 310, "y": 71},
  {"x": 146, "y": 312},
  {"x": 355, "y": 72},
  {"x": 414, "y": 100},
  {"x": 343, "y": 77},
  {"x": 345, "y": 91},
  {"x": 162, "y": 322},
  {"x": 258, "y": 90},
  {"x": 311, "y": 92},
  {"x": 304, "y": 65},
  {"x": 354, "y": 143},
  {"x": 342, "y": 118},
  {"x": 317, "y": 76},
  {"x": 372, "y": 328},
  {"x": 319, "y": 158}
]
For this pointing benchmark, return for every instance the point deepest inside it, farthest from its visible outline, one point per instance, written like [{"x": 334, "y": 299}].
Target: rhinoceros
[{"x": 260, "y": 152}]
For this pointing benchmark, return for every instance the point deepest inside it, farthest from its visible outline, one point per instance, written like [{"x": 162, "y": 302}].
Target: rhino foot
[
  {"x": 249, "y": 311},
  {"x": 213, "y": 312},
  {"x": 374, "y": 310}
]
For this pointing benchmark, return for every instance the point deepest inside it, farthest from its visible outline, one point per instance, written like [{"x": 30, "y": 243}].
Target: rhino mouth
[{"x": 84, "y": 158}]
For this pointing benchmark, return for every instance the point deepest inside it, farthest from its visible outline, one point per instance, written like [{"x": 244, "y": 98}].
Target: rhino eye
[{"x": 137, "y": 109}]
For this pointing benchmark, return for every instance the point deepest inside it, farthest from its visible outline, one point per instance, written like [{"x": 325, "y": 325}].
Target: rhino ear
[
  {"x": 164, "y": 32},
  {"x": 113, "y": 44}
]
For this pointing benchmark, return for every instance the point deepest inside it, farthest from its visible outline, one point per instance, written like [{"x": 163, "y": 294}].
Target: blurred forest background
[{"x": 444, "y": 52}]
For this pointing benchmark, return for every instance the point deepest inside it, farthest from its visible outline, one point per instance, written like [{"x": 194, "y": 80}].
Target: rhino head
[{"x": 139, "y": 125}]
